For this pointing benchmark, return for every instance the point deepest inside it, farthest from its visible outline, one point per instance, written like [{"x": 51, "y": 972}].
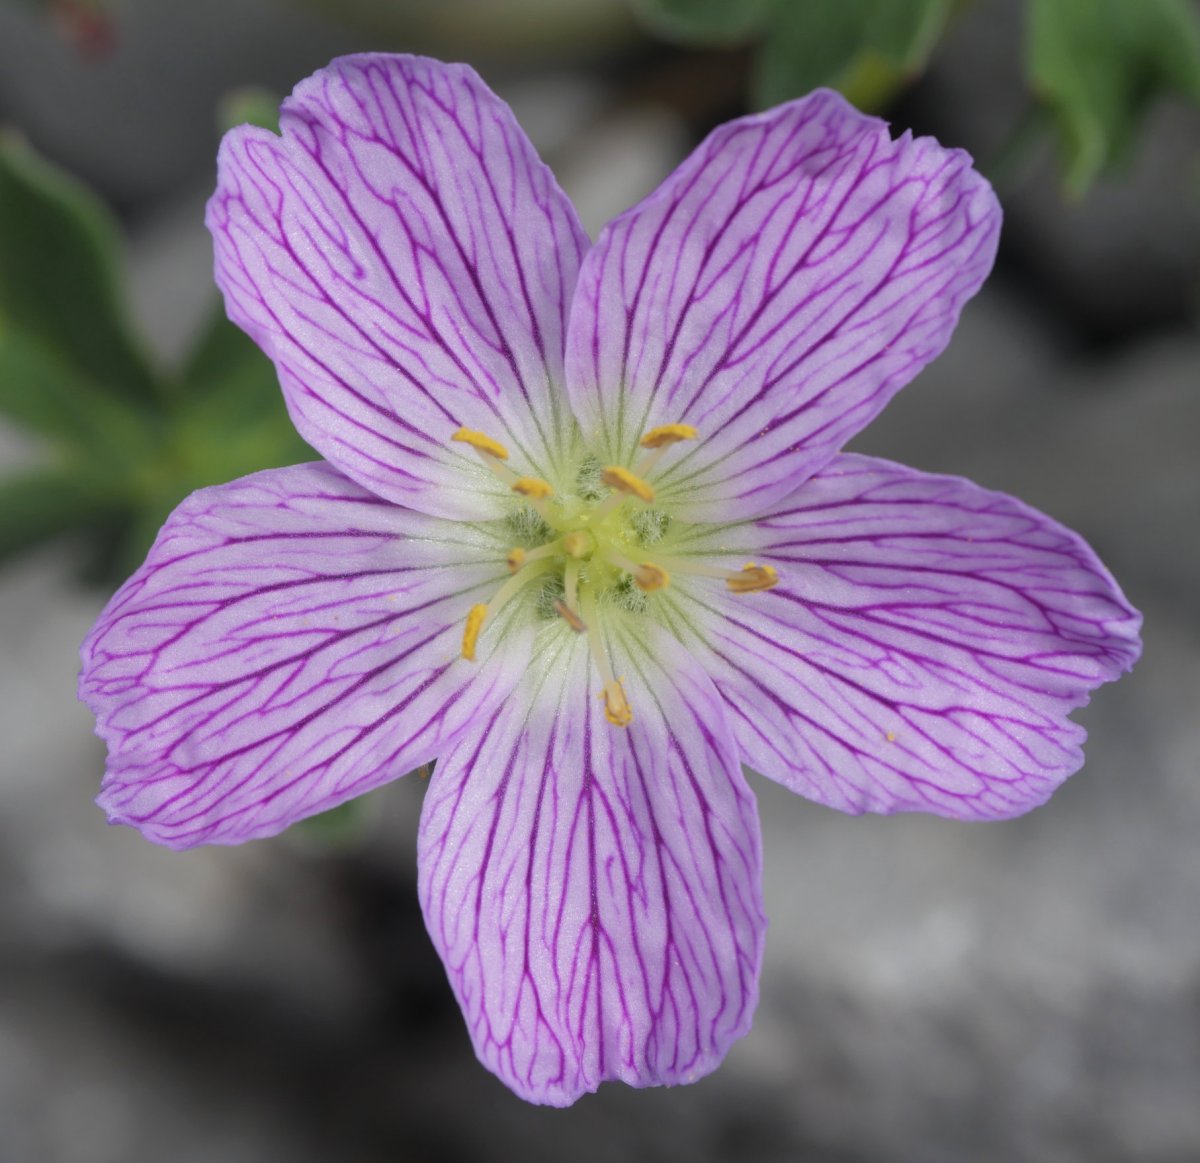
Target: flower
[{"x": 583, "y": 533}]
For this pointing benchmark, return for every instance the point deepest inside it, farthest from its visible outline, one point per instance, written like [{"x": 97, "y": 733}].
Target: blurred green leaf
[
  {"x": 1100, "y": 64},
  {"x": 706, "y": 22},
  {"x": 59, "y": 283},
  {"x": 341, "y": 829},
  {"x": 124, "y": 446},
  {"x": 233, "y": 415},
  {"x": 865, "y": 48},
  {"x": 39, "y": 505},
  {"x": 250, "y": 105},
  {"x": 44, "y": 395}
]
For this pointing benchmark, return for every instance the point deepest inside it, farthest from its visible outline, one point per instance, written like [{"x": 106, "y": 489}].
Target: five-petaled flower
[{"x": 584, "y": 534}]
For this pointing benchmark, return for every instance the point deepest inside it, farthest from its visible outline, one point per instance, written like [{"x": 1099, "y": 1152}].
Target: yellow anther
[
  {"x": 668, "y": 434},
  {"x": 616, "y": 706},
  {"x": 576, "y": 544},
  {"x": 515, "y": 559},
  {"x": 569, "y": 616},
  {"x": 624, "y": 481},
  {"x": 481, "y": 442},
  {"x": 533, "y": 487},
  {"x": 752, "y": 579},
  {"x": 475, "y": 617},
  {"x": 650, "y": 577}
]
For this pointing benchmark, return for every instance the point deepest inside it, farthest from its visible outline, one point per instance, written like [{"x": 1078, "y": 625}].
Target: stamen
[
  {"x": 624, "y": 481},
  {"x": 747, "y": 580},
  {"x": 475, "y": 618},
  {"x": 616, "y": 707},
  {"x": 533, "y": 487},
  {"x": 752, "y": 578},
  {"x": 515, "y": 559},
  {"x": 481, "y": 443},
  {"x": 667, "y": 434},
  {"x": 491, "y": 452},
  {"x": 477, "y": 614},
  {"x": 569, "y": 616},
  {"x": 658, "y": 440},
  {"x": 647, "y": 576}
]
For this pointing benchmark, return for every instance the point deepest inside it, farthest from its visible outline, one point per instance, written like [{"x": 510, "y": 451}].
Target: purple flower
[{"x": 584, "y": 534}]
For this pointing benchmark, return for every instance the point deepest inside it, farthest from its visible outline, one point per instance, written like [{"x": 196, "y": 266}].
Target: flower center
[{"x": 599, "y": 545}]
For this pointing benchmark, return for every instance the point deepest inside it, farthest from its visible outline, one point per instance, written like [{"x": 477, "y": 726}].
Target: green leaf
[
  {"x": 42, "y": 504},
  {"x": 865, "y": 48},
  {"x": 233, "y": 419},
  {"x": 49, "y": 398},
  {"x": 59, "y": 281},
  {"x": 1100, "y": 64},
  {"x": 250, "y": 105},
  {"x": 704, "y": 22}
]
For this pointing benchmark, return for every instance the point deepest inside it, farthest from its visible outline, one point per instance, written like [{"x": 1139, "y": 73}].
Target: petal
[
  {"x": 775, "y": 292},
  {"x": 923, "y": 649},
  {"x": 407, "y": 262},
  {"x": 290, "y": 642},
  {"x": 594, "y": 891}
]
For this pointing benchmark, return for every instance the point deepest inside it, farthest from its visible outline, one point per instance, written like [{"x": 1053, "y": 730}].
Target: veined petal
[
  {"x": 290, "y": 642},
  {"x": 923, "y": 649},
  {"x": 793, "y": 274},
  {"x": 594, "y": 891},
  {"x": 407, "y": 262}
]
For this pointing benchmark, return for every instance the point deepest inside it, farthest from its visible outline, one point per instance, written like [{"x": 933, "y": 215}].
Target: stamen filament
[
  {"x": 616, "y": 706},
  {"x": 569, "y": 616},
  {"x": 571, "y": 585},
  {"x": 748, "y": 580},
  {"x": 479, "y": 613}
]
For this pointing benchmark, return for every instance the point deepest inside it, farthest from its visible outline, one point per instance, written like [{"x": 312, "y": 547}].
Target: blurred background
[{"x": 932, "y": 991}]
